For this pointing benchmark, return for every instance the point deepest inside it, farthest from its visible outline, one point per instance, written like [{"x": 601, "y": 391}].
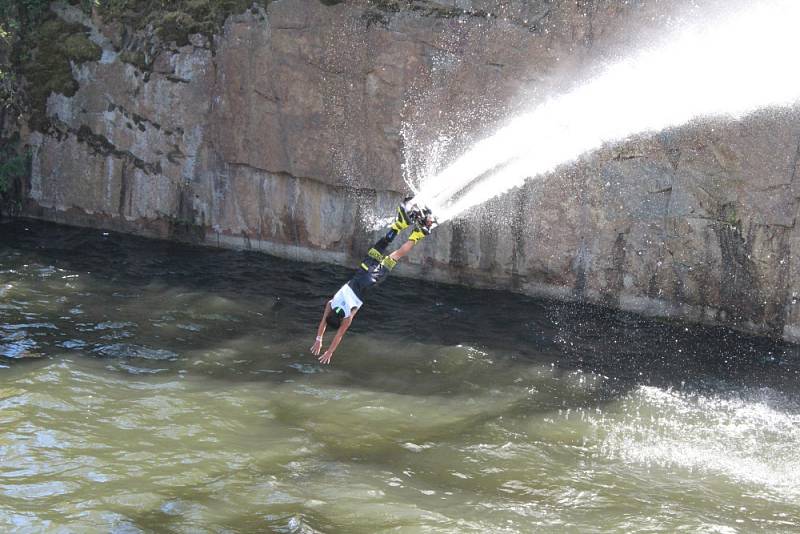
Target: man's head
[
  {"x": 428, "y": 222},
  {"x": 334, "y": 318},
  {"x": 421, "y": 215}
]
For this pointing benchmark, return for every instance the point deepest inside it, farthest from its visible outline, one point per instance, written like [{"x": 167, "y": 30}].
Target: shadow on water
[{"x": 285, "y": 298}]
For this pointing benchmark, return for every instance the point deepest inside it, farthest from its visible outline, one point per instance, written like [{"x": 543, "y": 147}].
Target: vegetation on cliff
[
  {"x": 38, "y": 49},
  {"x": 18, "y": 19},
  {"x": 42, "y": 49},
  {"x": 46, "y": 59},
  {"x": 173, "y": 21},
  {"x": 13, "y": 165}
]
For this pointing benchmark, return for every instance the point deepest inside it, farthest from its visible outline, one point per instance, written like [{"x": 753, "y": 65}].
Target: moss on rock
[
  {"x": 175, "y": 21},
  {"x": 49, "y": 45},
  {"x": 44, "y": 59},
  {"x": 177, "y": 26},
  {"x": 78, "y": 48},
  {"x": 135, "y": 58}
]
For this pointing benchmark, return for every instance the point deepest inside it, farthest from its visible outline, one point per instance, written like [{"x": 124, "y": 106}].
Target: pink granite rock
[{"x": 290, "y": 133}]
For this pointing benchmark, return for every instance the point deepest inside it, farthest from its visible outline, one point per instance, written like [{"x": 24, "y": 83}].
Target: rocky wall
[{"x": 290, "y": 132}]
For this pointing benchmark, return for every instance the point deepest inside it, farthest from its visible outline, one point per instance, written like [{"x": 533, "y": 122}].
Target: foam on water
[{"x": 728, "y": 66}]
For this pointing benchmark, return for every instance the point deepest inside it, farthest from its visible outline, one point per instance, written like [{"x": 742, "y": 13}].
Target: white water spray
[{"x": 728, "y": 67}]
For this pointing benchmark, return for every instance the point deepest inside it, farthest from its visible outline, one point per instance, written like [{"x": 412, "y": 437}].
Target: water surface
[{"x": 153, "y": 386}]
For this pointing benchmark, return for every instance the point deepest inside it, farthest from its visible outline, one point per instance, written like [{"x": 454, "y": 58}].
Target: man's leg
[{"x": 400, "y": 223}]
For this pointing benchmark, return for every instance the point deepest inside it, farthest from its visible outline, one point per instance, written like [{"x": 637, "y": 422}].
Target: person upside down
[{"x": 342, "y": 308}]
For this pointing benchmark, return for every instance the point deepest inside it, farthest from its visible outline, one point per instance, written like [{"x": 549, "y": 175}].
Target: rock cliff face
[{"x": 290, "y": 130}]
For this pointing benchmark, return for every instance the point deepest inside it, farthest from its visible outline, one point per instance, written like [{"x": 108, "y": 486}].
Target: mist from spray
[{"x": 732, "y": 65}]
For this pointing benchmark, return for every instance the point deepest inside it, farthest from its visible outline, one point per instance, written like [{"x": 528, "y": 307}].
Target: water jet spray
[{"x": 729, "y": 67}]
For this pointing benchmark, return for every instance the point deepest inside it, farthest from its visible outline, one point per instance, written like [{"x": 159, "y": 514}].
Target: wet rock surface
[{"x": 290, "y": 131}]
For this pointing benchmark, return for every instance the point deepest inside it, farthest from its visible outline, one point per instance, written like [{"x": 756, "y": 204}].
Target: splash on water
[
  {"x": 729, "y": 66},
  {"x": 745, "y": 437}
]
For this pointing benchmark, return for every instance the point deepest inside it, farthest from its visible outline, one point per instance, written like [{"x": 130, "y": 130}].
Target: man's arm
[
  {"x": 317, "y": 346},
  {"x": 403, "y": 250},
  {"x": 326, "y": 357}
]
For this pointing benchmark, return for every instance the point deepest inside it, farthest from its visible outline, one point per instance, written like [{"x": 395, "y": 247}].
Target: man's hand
[
  {"x": 418, "y": 234},
  {"x": 316, "y": 347},
  {"x": 326, "y": 358}
]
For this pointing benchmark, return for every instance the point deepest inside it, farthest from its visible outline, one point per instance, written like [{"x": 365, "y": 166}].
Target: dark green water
[{"x": 156, "y": 387}]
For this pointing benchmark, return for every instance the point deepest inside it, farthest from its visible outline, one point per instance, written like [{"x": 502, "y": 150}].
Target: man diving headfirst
[{"x": 342, "y": 308}]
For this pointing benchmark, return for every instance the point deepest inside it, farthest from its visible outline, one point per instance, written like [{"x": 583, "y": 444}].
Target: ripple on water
[
  {"x": 113, "y": 325},
  {"x": 46, "y": 271},
  {"x": 73, "y": 344},
  {"x": 5, "y": 289},
  {"x": 134, "y": 370},
  {"x": 116, "y": 334},
  {"x": 130, "y": 350},
  {"x": 36, "y": 491},
  {"x": 21, "y": 326},
  {"x": 19, "y": 348},
  {"x": 306, "y": 368}
]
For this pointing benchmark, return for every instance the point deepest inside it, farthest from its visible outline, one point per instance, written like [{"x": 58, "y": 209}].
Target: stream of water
[
  {"x": 149, "y": 386},
  {"x": 726, "y": 63}
]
